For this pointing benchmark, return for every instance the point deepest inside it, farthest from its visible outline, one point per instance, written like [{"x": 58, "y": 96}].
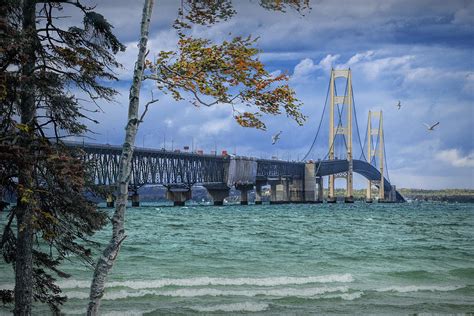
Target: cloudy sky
[{"x": 419, "y": 52}]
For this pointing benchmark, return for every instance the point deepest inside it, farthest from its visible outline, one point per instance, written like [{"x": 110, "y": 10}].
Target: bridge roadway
[{"x": 179, "y": 171}]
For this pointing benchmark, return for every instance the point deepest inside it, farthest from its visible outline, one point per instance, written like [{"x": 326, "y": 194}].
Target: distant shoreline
[
  {"x": 447, "y": 195},
  {"x": 158, "y": 194}
]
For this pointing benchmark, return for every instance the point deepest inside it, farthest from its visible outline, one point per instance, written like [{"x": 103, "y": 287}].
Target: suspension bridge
[{"x": 290, "y": 182}]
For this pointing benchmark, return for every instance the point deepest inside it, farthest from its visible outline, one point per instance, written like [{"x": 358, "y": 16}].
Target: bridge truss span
[
  {"x": 267, "y": 169},
  {"x": 150, "y": 166}
]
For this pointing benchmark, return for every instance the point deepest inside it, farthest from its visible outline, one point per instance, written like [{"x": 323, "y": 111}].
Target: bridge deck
[{"x": 158, "y": 166}]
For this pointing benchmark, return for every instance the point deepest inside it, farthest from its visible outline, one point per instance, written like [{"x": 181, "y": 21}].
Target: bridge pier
[
  {"x": 218, "y": 193},
  {"x": 273, "y": 193},
  {"x": 331, "y": 193},
  {"x": 368, "y": 195},
  {"x": 244, "y": 189},
  {"x": 310, "y": 182},
  {"x": 349, "y": 199},
  {"x": 331, "y": 197},
  {"x": 285, "y": 190},
  {"x": 258, "y": 193},
  {"x": 179, "y": 195},
  {"x": 319, "y": 181},
  {"x": 135, "y": 199},
  {"x": 393, "y": 194},
  {"x": 390, "y": 196},
  {"x": 110, "y": 200},
  {"x": 280, "y": 191},
  {"x": 296, "y": 191}
]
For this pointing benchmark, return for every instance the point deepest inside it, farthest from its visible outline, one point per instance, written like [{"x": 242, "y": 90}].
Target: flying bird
[
  {"x": 276, "y": 137},
  {"x": 399, "y": 105},
  {"x": 431, "y": 127}
]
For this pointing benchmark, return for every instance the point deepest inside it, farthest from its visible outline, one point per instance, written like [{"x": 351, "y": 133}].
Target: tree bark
[
  {"x": 24, "y": 210},
  {"x": 109, "y": 255}
]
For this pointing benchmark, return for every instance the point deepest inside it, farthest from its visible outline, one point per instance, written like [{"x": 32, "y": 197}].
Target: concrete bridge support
[
  {"x": 135, "y": 199},
  {"x": 285, "y": 196},
  {"x": 273, "y": 191},
  {"x": 179, "y": 196},
  {"x": 391, "y": 195},
  {"x": 218, "y": 193},
  {"x": 368, "y": 195},
  {"x": 258, "y": 193},
  {"x": 110, "y": 200},
  {"x": 244, "y": 189},
  {"x": 331, "y": 194},
  {"x": 280, "y": 191},
  {"x": 296, "y": 191},
  {"x": 319, "y": 181},
  {"x": 309, "y": 182}
]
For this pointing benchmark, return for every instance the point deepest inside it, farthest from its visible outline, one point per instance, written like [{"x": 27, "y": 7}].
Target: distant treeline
[
  {"x": 449, "y": 195},
  {"x": 446, "y": 195}
]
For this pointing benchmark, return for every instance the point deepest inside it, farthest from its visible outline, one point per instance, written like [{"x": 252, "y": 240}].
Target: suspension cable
[
  {"x": 385, "y": 158},
  {"x": 319, "y": 127},
  {"x": 357, "y": 125},
  {"x": 365, "y": 143}
]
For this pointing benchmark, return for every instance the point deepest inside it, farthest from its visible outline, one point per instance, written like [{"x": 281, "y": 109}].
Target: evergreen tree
[{"x": 45, "y": 65}]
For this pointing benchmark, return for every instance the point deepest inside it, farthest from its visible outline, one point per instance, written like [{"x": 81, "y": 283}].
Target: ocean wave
[
  {"x": 82, "y": 311},
  {"x": 284, "y": 292},
  {"x": 466, "y": 273},
  {"x": 7, "y": 286},
  {"x": 417, "y": 288},
  {"x": 76, "y": 295},
  {"x": 126, "y": 313},
  {"x": 345, "y": 296},
  {"x": 234, "y": 307},
  {"x": 203, "y": 281}
]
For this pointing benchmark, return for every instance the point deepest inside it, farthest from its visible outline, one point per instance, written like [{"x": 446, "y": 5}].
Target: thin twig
[{"x": 153, "y": 100}]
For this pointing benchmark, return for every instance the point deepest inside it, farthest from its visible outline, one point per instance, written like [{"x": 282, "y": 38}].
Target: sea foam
[
  {"x": 193, "y": 292},
  {"x": 234, "y": 307},
  {"x": 203, "y": 281},
  {"x": 416, "y": 288}
]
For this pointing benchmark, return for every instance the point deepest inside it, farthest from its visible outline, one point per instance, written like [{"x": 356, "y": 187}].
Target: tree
[
  {"x": 44, "y": 67},
  {"x": 227, "y": 73}
]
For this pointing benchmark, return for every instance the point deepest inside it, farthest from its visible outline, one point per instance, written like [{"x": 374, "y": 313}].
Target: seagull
[
  {"x": 431, "y": 127},
  {"x": 399, "y": 105},
  {"x": 276, "y": 137}
]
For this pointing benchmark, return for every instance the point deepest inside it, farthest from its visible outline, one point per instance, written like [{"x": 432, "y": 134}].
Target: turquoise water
[{"x": 287, "y": 259}]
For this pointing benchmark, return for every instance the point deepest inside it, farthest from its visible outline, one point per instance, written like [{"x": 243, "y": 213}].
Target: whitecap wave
[
  {"x": 416, "y": 288},
  {"x": 203, "y": 281},
  {"x": 126, "y": 313},
  {"x": 235, "y": 307},
  {"x": 82, "y": 311},
  {"x": 193, "y": 292},
  {"x": 346, "y": 296},
  {"x": 7, "y": 286}
]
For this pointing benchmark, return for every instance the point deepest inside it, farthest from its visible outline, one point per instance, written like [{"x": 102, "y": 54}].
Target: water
[{"x": 286, "y": 259}]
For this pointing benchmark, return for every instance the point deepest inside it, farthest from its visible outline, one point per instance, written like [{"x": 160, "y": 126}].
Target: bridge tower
[
  {"x": 341, "y": 129},
  {"x": 374, "y": 153}
]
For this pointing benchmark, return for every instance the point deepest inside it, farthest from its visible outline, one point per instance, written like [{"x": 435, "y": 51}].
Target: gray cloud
[{"x": 419, "y": 52}]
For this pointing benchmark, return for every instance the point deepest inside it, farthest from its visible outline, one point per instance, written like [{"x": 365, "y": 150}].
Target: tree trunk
[
  {"x": 107, "y": 260},
  {"x": 24, "y": 244}
]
